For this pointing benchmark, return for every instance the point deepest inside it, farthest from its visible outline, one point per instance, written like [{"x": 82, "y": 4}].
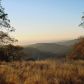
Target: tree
[
  {"x": 5, "y": 38},
  {"x": 5, "y": 27},
  {"x": 11, "y": 53},
  {"x": 4, "y": 21},
  {"x": 82, "y": 23},
  {"x": 78, "y": 49},
  {"x": 8, "y": 52}
]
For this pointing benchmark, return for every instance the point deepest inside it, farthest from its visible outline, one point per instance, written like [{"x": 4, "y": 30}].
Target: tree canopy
[
  {"x": 78, "y": 49},
  {"x": 5, "y": 27},
  {"x": 6, "y": 49},
  {"x": 82, "y": 23}
]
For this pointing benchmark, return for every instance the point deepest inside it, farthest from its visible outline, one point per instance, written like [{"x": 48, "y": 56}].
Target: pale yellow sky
[{"x": 25, "y": 39}]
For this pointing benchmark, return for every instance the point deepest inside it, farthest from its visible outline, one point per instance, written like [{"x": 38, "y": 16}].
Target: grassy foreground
[{"x": 42, "y": 72}]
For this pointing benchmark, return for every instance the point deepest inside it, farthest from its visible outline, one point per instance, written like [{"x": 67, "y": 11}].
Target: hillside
[
  {"x": 68, "y": 42},
  {"x": 35, "y": 54},
  {"x": 51, "y": 47},
  {"x": 49, "y": 50}
]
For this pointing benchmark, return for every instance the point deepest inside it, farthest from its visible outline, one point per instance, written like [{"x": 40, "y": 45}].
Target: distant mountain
[
  {"x": 49, "y": 50},
  {"x": 50, "y": 47},
  {"x": 69, "y": 42}
]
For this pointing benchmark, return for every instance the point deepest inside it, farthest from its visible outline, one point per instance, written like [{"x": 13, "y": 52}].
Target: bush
[{"x": 78, "y": 50}]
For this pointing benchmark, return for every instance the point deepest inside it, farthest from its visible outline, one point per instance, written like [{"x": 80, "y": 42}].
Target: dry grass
[{"x": 42, "y": 72}]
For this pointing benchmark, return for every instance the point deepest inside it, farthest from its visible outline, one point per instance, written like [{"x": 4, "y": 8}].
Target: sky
[{"x": 38, "y": 21}]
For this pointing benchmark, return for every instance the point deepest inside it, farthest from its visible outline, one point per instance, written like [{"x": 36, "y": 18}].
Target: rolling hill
[
  {"x": 49, "y": 50},
  {"x": 68, "y": 42},
  {"x": 50, "y": 47}
]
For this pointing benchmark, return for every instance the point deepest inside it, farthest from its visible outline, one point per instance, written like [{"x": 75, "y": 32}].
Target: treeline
[
  {"x": 11, "y": 53},
  {"x": 8, "y": 52}
]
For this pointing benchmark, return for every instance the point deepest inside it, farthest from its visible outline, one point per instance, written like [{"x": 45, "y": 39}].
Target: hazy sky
[{"x": 45, "y": 20}]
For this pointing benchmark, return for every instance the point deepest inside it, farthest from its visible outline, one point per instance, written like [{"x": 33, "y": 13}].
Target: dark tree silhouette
[
  {"x": 5, "y": 27},
  {"x": 11, "y": 53},
  {"x": 4, "y": 21},
  {"x": 6, "y": 51},
  {"x": 5, "y": 38},
  {"x": 82, "y": 23}
]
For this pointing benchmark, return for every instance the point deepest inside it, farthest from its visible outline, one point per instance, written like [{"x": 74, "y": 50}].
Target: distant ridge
[
  {"x": 68, "y": 42},
  {"x": 50, "y": 47},
  {"x": 49, "y": 50}
]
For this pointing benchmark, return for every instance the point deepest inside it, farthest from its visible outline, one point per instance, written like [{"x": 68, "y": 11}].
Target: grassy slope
[{"x": 42, "y": 72}]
